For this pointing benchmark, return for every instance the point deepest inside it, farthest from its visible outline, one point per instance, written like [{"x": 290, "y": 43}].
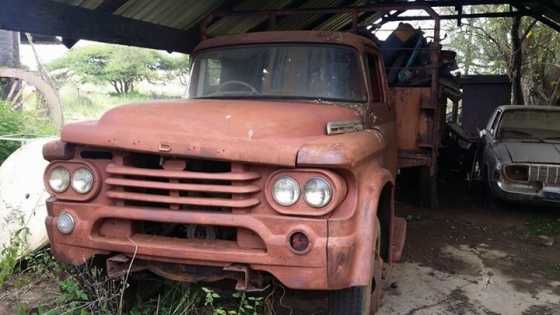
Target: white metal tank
[{"x": 23, "y": 195}]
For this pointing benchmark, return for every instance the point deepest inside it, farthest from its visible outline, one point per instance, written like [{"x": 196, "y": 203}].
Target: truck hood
[
  {"x": 245, "y": 130},
  {"x": 530, "y": 152}
]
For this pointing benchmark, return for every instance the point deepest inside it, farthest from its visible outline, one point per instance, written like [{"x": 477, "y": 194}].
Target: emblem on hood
[
  {"x": 164, "y": 147},
  {"x": 345, "y": 126}
]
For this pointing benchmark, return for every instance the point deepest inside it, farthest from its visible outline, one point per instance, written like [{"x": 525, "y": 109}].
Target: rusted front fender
[
  {"x": 342, "y": 151},
  {"x": 351, "y": 240}
]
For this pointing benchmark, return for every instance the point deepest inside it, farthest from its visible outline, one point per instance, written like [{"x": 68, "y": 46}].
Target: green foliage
[
  {"x": 484, "y": 47},
  {"x": 10, "y": 123},
  {"x": 244, "y": 304},
  {"x": 82, "y": 105},
  {"x": 175, "y": 299},
  {"x": 553, "y": 271},
  {"x": 27, "y": 123},
  {"x": 247, "y": 305},
  {"x": 539, "y": 225},
  {"x": 120, "y": 66},
  {"x": 86, "y": 290},
  {"x": 179, "y": 67},
  {"x": 11, "y": 253}
]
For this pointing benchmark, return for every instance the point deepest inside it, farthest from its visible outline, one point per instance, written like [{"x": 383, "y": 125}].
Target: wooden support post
[{"x": 516, "y": 62}]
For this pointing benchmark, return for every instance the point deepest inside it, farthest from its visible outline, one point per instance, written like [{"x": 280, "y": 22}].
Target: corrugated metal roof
[
  {"x": 237, "y": 24},
  {"x": 188, "y": 14}
]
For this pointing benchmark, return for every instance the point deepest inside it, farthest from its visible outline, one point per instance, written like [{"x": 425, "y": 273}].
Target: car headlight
[
  {"x": 59, "y": 179},
  {"x": 519, "y": 173},
  {"x": 285, "y": 191},
  {"x": 82, "y": 180},
  {"x": 317, "y": 192}
]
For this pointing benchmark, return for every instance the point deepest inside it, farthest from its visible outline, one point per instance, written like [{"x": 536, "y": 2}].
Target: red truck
[{"x": 281, "y": 165}]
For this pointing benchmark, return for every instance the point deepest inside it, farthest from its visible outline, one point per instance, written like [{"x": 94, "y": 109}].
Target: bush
[{"x": 20, "y": 123}]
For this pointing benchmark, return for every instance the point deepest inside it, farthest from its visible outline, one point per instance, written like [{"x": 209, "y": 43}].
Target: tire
[{"x": 361, "y": 300}]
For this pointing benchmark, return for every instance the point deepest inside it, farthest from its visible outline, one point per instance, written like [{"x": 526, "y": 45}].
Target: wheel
[{"x": 361, "y": 300}]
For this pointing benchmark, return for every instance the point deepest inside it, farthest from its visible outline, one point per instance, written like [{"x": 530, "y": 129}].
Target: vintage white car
[{"x": 520, "y": 158}]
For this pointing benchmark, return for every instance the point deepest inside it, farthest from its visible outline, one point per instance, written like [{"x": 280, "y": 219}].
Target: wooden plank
[{"x": 56, "y": 19}]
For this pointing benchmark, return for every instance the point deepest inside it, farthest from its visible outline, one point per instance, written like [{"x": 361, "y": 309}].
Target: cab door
[{"x": 380, "y": 112}]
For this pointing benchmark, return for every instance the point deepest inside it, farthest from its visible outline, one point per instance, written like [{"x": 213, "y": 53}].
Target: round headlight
[
  {"x": 317, "y": 192},
  {"x": 285, "y": 191},
  {"x": 65, "y": 223},
  {"x": 59, "y": 179},
  {"x": 82, "y": 180}
]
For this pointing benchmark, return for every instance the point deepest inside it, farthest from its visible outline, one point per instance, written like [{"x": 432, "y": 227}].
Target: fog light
[
  {"x": 299, "y": 242},
  {"x": 65, "y": 223}
]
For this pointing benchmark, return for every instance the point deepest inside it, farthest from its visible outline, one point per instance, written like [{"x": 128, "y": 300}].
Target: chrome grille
[{"x": 546, "y": 174}]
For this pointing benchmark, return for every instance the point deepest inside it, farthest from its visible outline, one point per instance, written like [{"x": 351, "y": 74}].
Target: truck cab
[{"x": 280, "y": 165}]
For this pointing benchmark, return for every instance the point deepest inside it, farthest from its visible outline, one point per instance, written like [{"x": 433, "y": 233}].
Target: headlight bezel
[
  {"x": 508, "y": 169},
  {"x": 302, "y": 176},
  {"x": 70, "y": 194}
]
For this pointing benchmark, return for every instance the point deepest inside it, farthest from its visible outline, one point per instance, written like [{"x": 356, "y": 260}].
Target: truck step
[{"x": 398, "y": 239}]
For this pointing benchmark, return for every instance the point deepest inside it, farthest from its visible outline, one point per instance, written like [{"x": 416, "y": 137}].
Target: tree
[
  {"x": 120, "y": 66},
  {"x": 486, "y": 46}
]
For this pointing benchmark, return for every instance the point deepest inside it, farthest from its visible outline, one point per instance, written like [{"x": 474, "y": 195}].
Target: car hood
[
  {"x": 244, "y": 130},
  {"x": 531, "y": 152}
]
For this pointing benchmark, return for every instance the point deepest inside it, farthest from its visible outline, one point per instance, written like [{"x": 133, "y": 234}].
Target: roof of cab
[{"x": 340, "y": 38}]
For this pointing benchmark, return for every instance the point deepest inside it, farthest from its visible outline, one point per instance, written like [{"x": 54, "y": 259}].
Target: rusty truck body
[{"x": 281, "y": 165}]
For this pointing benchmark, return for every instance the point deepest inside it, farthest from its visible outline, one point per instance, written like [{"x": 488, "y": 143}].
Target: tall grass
[
  {"x": 20, "y": 123},
  {"x": 87, "y": 105}
]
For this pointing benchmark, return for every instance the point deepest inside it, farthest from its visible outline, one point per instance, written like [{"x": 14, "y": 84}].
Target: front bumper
[
  {"x": 294, "y": 270},
  {"x": 528, "y": 195}
]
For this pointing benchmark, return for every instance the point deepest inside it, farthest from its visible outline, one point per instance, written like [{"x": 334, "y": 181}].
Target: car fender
[{"x": 351, "y": 239}]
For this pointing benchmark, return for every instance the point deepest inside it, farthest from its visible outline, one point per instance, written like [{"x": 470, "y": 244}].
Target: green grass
[
  {"x": 27, "y": 122},
  {"x": 79, "y": 105},
  {"x": 544, "y": 226},
  {"x": 86, "y": 290},
  {"x": 553, "y": 271}
]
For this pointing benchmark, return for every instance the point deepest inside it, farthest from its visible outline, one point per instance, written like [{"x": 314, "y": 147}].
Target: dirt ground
[{"x": 471, "y": 260}]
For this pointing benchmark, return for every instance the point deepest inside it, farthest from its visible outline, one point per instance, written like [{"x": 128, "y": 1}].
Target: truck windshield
[
  {"x": 530, "y": 124},
  {"x": 320, "y": 72}
]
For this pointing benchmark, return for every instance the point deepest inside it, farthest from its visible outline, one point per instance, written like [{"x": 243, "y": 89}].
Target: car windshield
[
  {"x": 530, "y": 124},
  {"x": 319, "y": 72}
]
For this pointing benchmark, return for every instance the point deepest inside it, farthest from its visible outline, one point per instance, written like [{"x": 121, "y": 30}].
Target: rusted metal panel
[
  {"x": 411, "y": 121},
  {"x": 233, "y": 130}
]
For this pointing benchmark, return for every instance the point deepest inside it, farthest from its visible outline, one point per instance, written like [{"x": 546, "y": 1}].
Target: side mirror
[{"x": 482, "y": 133}]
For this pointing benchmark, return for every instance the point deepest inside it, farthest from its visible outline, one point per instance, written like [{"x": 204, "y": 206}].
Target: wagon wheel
[{"x": 20, "y": 80}]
